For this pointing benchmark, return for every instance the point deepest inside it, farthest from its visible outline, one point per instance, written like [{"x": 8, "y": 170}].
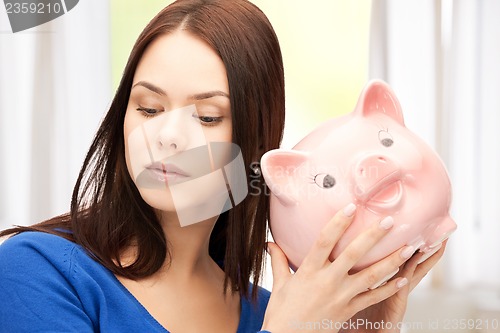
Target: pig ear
[
  {"x": 279, "y": 168},
  {"x": 378, "y": 97}
]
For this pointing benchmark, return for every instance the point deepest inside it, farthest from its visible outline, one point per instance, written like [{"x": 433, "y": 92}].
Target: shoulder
[
  {"x": 46, "y": 277},
  {"x": 37, "y": 248},
  {"x": 50, "y": 261},
  {"x": 35, "y": 276},
  {"x": 38, "y": 257},
  {"x": 30, "y": 239},
  {"x": 44, "y": 254}
]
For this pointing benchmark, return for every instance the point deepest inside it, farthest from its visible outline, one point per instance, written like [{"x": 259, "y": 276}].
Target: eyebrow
[
  {"x": 208, "y": 94},
  {"x": 151, "y": 87},
  {"x": 197, "y": 97}
]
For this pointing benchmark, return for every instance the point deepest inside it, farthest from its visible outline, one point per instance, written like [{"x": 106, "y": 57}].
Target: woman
[{"x": 122, "y": 259}]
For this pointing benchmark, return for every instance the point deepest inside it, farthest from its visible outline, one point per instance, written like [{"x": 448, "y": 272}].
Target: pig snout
[{"x": 377, "y": 181}]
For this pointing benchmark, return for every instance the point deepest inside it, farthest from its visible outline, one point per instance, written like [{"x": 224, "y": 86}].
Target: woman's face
[{"x": 179, "y": 104}]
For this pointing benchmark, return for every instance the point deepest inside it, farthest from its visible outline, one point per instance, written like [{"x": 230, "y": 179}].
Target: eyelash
[
  {"x": 208, "y": 121},
  {"x": 205, "y": 120},
  {"x": 148, "y": 112}
]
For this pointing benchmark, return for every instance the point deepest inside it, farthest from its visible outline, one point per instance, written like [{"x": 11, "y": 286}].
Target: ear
[
  {"x": 376, "y": 98},
  {"x": 279, "y": 168}
]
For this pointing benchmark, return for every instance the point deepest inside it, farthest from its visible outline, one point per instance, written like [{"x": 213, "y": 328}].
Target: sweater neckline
[{"x": 244, "y": 306}]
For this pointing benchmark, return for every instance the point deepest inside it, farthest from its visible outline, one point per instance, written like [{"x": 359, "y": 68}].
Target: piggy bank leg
[
  {"x": 440, "y": 234},
  {"x": 429, "y": 253}
]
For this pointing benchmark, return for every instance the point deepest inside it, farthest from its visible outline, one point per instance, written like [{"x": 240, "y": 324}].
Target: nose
[
  {"x": 171, "y": 136},
  {"x": 170, "y": 144}
]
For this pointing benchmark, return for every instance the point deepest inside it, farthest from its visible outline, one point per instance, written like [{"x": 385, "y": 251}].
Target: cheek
[
  {"x": 136, "y": 151},
  {"x": 230, "y": 134},
  {"x": 126, "y": 133},
  {"x": 220, "y": 133}
]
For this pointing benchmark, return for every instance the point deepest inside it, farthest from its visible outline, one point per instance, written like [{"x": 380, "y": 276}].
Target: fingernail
[
  {"x": 401, "y": 283},
  {"x": 349, "y": 210},
  {"x": 387, "y": 222},
  {"x": 407, "y": 252}
]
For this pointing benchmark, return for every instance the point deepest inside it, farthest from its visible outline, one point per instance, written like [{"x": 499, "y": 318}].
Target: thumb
[{"x": 279, "y": 264}]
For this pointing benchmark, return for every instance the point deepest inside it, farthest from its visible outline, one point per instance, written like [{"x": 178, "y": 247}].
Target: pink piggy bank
[{"x": 369, "y": 158}]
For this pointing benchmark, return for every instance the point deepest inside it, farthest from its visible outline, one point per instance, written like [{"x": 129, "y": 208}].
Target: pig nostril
[{"x": 381, "y": 159}]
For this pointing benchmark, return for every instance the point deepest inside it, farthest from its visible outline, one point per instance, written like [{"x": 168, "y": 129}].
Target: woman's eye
[
  {"x": 324, "y": 180},
  {"x": 209, "y": 121},
  {"x": 148, "y": 112}
]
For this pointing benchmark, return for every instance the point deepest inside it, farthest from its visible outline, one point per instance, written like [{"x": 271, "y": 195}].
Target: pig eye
[
  {"x": 385, "y": 138},
  {"x": 324, "y": 180}
]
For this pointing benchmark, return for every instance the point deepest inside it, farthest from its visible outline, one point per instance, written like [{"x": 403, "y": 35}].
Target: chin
[{"x": 159, "y": 199}]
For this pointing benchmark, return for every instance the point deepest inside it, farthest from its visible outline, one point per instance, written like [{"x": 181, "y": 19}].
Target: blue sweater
[{"x": 49, "y": 284}]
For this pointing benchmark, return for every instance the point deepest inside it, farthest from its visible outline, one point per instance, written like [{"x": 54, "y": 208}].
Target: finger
[
  {"x": 408, "y": 270},
  {"x": 362, "y": 244},
  {"x": 370, "y": 297},
  {"x": 279, "y": 265},
  {"x": 328, "y": 238},
  {"x": 422, "y": 269},
  {"x": 378, "y": 273},
  {"x": 410, "y": 266}
]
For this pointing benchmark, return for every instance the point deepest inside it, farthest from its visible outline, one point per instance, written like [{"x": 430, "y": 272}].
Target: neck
[
  {"x": 188, "y": 246},
  {"x": 188, "y": 257}
]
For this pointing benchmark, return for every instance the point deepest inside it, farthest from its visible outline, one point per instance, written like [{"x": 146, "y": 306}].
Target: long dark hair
[{"x": 107, "y": 212}]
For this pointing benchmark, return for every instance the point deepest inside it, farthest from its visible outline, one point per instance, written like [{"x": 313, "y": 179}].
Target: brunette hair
[{"x": 107, "y": 212}]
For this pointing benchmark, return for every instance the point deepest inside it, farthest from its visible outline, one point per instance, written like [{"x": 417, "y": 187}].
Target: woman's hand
[
  {"x": 391, "y": 311},
  {"x": 321, "y": 292}
]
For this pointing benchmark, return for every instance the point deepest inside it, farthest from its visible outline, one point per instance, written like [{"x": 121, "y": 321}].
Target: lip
[{"x": 167, "y": 172}]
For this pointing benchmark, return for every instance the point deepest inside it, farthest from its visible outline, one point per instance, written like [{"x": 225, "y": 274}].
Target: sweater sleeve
[{"x": 36, "y": 295}]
